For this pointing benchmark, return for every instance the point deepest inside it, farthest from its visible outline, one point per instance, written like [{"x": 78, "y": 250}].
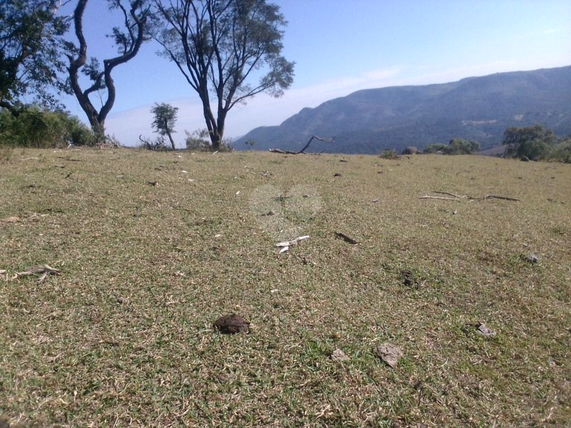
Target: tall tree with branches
[
  {"x": 128, "y": 41},
  {"x": 31, "y": 39},
  {"x": 220, "y": 46}
]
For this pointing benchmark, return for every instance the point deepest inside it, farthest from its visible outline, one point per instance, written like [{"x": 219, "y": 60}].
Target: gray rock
[
  {"x": 339, "y": 355},
  {"x": 389, "y": 353},
  {"x": 484, "y": 330}
]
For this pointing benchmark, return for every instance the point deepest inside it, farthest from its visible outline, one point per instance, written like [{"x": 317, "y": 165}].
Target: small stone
[
  {"x": 339, "y": 355},
  {"x": 532, "y": 258},
  {"x": 232, "y": 324},
  {"x": 484, "y": 330},
  {"x": 390, "y": 354},
  {"x": 408, "y": 278}
]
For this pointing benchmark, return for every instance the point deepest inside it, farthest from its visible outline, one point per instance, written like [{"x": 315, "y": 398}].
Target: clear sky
[{"x": 341, "y": 46}]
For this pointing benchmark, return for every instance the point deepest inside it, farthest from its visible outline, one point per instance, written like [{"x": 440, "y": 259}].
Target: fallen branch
[
  {"x": 442, "y": 198},
  {"x": 458, "y": 198},
  {"x": 449, "y": 194},
  {"x": 505, "y": 198},
  {"x": 325, "y": 140},
  {"x": 346, "y": 238},
  {"x": 43, "y": 271},
  {"x": 284, "y": 152},
  {"x": 302, "y": 151}
]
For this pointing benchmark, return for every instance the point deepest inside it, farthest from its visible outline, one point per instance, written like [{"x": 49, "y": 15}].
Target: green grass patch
[{"x": 154, "y": 247}]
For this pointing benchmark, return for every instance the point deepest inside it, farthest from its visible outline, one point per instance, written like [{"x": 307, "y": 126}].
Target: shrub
[
  {"x": 561, "y": 152},
  {"x": 533, "y": 150},
  {"x": 533, "y": 142},
  {"x": 34, "y": 127},
  {"x": 5, "y": 154},
  {"x": 199, "y": 141},
  {"x": 437, "y": 147},
  {"x": 411, "y": 150},
  {"x": 456, "y": 146},
  {"x": 389, "y": 154},
  {"x": 157, "y": 145}
]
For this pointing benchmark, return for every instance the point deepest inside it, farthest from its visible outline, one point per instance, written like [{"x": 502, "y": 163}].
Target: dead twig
[
  {"x": 443, "y": 198},
  {"x": 302, "y": 151},
  {"x": 286, "y": 244},
  {"x": 42, "y": 270},
  {"x": 346, "y": 238},
  {"x": 505, "y": 198},
  {"x": 284, "y": 152},
  {"x": 458, "y": 198},
  {"x": 325, "y": 140},
  {"x": 449, "y": 194}
]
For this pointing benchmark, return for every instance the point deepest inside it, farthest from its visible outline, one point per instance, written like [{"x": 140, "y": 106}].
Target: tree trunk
[{"x": 170, "y": 138}]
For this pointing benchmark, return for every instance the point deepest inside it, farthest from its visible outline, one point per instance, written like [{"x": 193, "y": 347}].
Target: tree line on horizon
[{"x": 533, "y": 143}]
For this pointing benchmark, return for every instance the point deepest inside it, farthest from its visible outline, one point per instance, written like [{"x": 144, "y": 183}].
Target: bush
[
  {"x": 533, "y": 142},
  {"x": 459, "y": 146},
  {"x": 561, "y": 152},
  {"x": 5, "y": 154},
  {"x": 389, "y": 154},
  {"x": 34, "y": 127},
  {"x": 199, "y": 141},
  {"x": 437, "y": 147},
  {"x": 533, "y": 150},
  {"x": 158, "y": 145},
  {"x": 411, "y": 150},
  {"x": 456, "y": 146}
]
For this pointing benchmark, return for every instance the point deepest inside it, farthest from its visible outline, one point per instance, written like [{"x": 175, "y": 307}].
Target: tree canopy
[
  {"x": 533, "y": 142},
  {"x": 221, "y": 46},
  {"x": 30, "y": 47}
]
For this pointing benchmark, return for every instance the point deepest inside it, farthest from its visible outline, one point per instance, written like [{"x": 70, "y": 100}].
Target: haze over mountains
[{"x": 475, "y": 108}]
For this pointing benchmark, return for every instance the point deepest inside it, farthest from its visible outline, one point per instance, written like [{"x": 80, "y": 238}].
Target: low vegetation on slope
[{"x": 145, "y": 251}]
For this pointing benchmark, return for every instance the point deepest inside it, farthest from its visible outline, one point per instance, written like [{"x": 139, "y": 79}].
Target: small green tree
[
  {"x": 534, "y": 142},
  {"x": 165, "y": 119}
]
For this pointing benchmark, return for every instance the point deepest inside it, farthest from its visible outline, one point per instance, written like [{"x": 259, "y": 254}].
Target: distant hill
[{"x": 475, "y": 108}]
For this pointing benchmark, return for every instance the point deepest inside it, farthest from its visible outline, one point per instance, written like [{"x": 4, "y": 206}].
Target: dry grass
[{"x": 124, "y": 337}]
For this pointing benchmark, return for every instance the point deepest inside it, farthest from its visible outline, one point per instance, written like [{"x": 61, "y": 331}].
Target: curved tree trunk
[{"x": 97, "y": 118}]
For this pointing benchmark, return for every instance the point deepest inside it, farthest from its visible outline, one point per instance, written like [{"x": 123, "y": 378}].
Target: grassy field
[{"x": 154, "y": 247}]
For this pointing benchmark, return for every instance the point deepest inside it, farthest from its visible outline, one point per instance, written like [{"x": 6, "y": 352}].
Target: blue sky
[{"x": 341, "y": 46}]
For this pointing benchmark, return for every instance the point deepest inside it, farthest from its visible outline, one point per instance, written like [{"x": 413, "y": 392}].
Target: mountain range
[{"x": 474, "y": 108}]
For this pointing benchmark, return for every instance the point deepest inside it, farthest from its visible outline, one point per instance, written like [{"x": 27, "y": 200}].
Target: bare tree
[
  {"x": 128, "y": 41},
  {"x": 220, "y": 45}
]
